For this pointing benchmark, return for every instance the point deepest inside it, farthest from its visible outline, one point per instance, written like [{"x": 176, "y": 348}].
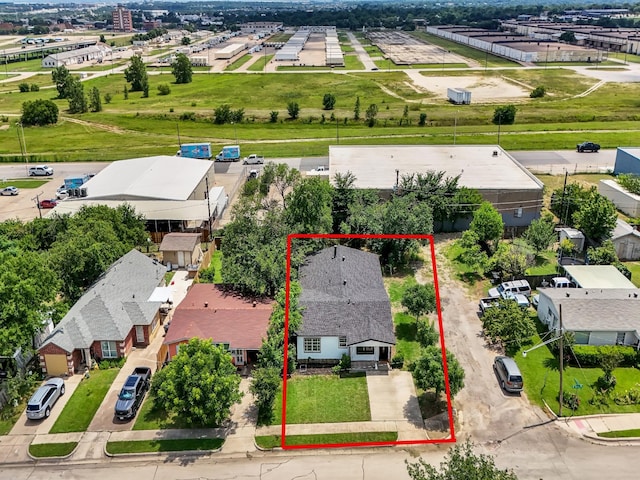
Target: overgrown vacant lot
[{"x": 325, "y": 399}]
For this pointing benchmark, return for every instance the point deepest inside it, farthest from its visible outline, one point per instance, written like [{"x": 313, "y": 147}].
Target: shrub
[
  {"x": 423, "y": 119},
  {"x": 538, "y": 92},
  {"x": 273, "y": 116},
  {"x": 630, "y": 397},
  {"x": 344, "y": 365},
  {"x": 397, "y": 361},
  {"x": 24, "y": 87},
  {"x": 106, "y": 364},
  {"x": 589, "y": 355},
  {"x": 164, "y": 89},
  {"x": 34, "y": 88},
  {"x": 570, "y": 400},
  {"x": 107, "y": 98},
  {"x": 188, "y": 116}
]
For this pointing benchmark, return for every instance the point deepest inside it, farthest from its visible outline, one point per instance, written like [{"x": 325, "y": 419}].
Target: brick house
[
  {"x": 112, "y": 316},
  {"x": 211, "y": 312}
]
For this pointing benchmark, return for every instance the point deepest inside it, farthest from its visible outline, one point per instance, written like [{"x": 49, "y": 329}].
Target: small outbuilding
[
  {"x": 574, "y": 235},
  {"x": 626, "y": 240},
  {"x": 181, "y": 249},
  {"x": 597, "y": 276}
]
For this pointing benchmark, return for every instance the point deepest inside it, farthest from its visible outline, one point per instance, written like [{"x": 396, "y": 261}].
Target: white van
[
  {"x": 513, "y": 287},
  {"x": 560, "y": 282}
]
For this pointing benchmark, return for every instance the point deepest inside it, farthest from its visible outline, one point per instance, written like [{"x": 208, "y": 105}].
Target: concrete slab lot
[{"x": 404, "y": 49}]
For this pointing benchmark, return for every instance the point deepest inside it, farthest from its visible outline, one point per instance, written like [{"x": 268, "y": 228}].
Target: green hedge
[{"x": 589, "y": 355}]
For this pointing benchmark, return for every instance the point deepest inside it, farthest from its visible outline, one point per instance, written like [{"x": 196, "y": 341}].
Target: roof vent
[
  {"x": 134, "y": 295},
  {"x": 343, "y": 258},
  {"x": 206, "y": 304},
  {"x": 568, "y": 295},
  {"x": 348, "y": 301},
  {"x": 635, "y": 295},
  {"x": 344, "y": 282},
  {"x": 495, "y": 153},
  {"x": 335, "y": 251}
]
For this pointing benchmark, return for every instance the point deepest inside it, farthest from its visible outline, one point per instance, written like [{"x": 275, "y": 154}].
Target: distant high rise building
[{"x": 122, "y": 19}]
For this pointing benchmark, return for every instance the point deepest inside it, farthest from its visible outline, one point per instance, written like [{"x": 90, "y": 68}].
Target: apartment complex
[{"x": 122, "y": 21}]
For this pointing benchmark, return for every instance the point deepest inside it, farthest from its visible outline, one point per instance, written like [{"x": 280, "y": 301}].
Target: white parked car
[{"x": 9, "y": 191}]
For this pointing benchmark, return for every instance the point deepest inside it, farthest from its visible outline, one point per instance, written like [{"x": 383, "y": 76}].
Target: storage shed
[
  {"x": 624, "y": 200},
  {"x": 626, "y": 240},
  {"x": 181, "y": 249},
  {"x": 576, "y": 236}
]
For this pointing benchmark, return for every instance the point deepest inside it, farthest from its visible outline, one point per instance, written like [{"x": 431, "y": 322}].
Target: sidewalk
[{"x": 590, "y": 426}]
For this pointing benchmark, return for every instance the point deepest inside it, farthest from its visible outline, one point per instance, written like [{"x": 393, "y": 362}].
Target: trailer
[
  {"x": 459, "y": 96},
  {"x": 75, "y": 182},
  {"x": 195, "y": 150}
]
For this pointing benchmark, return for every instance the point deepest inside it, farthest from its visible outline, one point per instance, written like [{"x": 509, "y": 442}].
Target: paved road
[{"x": 557, "y": 162}]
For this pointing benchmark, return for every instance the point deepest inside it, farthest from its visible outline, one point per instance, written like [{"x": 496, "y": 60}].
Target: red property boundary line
[{"x": 429, "y": 238}]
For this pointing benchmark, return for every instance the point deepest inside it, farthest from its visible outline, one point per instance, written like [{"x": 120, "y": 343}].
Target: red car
[{"x": 47, "y": 204}]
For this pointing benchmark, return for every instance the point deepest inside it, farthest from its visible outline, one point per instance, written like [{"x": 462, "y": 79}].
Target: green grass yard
[
  {"x": 324, "y": 399},
  {"x": 634, "y": 268},
  {"x": 239, "y": 62},
  {"x": 172, "y": 445},
  {"x": 41, "y": 450},
  {"x": 26, "y": 184},
  {"x": 258, "y": 65},
  {"x": 85, "y": 401},
  {"x": 272, "y": 441},
  {"x": 635, "y": 432},
  {"x": 151, "y": 417},
  {"x": 542, "y": 382},
  {"x": 546, "y": 264}
]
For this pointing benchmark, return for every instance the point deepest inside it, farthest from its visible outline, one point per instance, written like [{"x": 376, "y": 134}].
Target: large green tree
[
  {"x": 509, "y": 325},
  {"x": 77, "y": 99},
  {"x": 309, "y": 206},
  {"x": 39, "y": 112},
  {"x": 461, "y": 463},
  {"x": 596, "y": 218},
  {"x": 95, "y": 102},
  {"x": 199, "y": 385},
  {"x": 488, "y": 225},
  {"x": 280, "y": 176},
  {"x": 504, "y": 115},
  {"x": 419, "y": 299},
  {"x": 136, "y": 74},
  {"x": 181, "y": 69},
  {"x": 344, "y": 195},
  {"x": 62, "y": 79},
  {"x": 428, "y": 372},
  {"x": 541, "y": 233}
]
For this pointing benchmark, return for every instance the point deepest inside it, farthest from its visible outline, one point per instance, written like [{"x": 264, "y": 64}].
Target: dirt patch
[{"x": 485, "y": 90}]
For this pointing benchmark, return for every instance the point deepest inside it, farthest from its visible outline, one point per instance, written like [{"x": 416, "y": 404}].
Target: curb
[{"x": 190, "y": 453}]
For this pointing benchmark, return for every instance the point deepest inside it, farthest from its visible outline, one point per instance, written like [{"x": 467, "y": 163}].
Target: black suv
[
  {"x": 588, "y": 147},
  {"x": 131, "y": 395}
]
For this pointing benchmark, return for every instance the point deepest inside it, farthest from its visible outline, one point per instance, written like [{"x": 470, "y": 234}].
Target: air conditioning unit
[{"x": 83, "y": 192}]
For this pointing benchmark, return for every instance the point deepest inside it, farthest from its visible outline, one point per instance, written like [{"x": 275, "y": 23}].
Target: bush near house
[{"x": 590, "y": 355}]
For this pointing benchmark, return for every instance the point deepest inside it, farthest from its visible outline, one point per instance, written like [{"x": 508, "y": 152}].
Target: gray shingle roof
[
  {"x": 175, "y": 242},
  {"x": 343, "y": 294},
  {"x": 113, "y": 305},
  {"x": 590, "y": 309}
]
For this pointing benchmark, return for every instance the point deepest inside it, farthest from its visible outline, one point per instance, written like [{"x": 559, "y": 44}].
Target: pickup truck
[
  {"x": 321, "y": 170},
  {"x": 488, "y": 303},
  {"x": 253, "y": 159},
  {"x": 588, "y": 147},
  {"x": 132, "y": 393}
]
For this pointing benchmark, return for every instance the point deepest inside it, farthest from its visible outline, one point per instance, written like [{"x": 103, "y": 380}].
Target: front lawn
[
  {"x": 406, "y": 343},
  {"x": 272, "y": 441},
  {"x": 635, "y": 432},
  {"x": 325, "y": 399},
  {"x": 52, "y": 449},
  {"x": 172, "y": 445},
  {"x": 85, "y": 401},
  {"x": 151, "y": 417},
  {"x": 542, "y": 382}
]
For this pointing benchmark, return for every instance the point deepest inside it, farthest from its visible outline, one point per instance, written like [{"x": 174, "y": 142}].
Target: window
[
  {"x": 620, "y": 338},
  {"x": 518, "y": 212},
  {"x": 365, "y": 350},
  {"x": 312, "y": 345},
  {"x": 342, "y": 341},
  {"x": 109, "y": 350},
  {"x": 581, "y": 338}
]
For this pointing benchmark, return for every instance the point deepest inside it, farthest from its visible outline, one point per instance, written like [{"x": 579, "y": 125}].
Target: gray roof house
[
  {"x": 596, "y": 316},
  {"x": 111, "y": 317},
  {"x": 626, "y": 240},
  {"x": 346, "y": 309}
]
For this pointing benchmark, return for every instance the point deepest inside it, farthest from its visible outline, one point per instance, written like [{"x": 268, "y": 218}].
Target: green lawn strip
[
  {"x": 406, "y": 329},
  {"x": 239, "y": 62},
  {"x": 635, "y": 432},
  {"x": 23, "y": 183},
  {"x": 542, "y": 382},
  {"x": 169, "y": 445},
  {"x": 272, "y": 441},
  {"x": 258, "y": 65},
  {"x": 216, "y": 263},
  {"x": 629, "y": 57},
  {"x": 52, "y": 449},
  {"x": 325, "y": 399},
  {"x": 85, "y": 401},
  {"x": 168, "y": 276}
]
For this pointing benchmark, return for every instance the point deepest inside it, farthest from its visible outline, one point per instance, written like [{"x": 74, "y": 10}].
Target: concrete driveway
[
  {"x": 393, "y": 397},
  {"x": 24, "y": 426}
]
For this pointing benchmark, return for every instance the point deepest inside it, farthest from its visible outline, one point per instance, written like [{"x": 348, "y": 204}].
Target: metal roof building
[
  {"x": 597, "y": 276},
  {"x": 499, "y": 178}
]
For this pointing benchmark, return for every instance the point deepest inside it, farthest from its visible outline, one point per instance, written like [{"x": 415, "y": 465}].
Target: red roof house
[{"x": 212, "y": 312}]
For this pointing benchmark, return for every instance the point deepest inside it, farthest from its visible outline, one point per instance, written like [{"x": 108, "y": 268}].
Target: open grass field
[
  {"x": 325, "y": 399},
  {"x": 258, "y": 65},
  {"x": 149, "y": 125},
  {"x": 272, "y": 441},
  {"x": 239, "y": 62},
  {"x": 83, "y": 404},
  {"x": 173, "y": 445}
]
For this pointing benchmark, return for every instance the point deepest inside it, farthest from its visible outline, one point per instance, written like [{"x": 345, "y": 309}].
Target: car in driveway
[
  {"x": 132, "y": 393},
  {"x": 61, "y": 194},
  {"x": 42, "y": 401},
  {"x": 9, "y": 191},
  {"x": 588, "y": 147},
  {"x": 47, "y": 203},
  {"x": 508, "y": 373}
]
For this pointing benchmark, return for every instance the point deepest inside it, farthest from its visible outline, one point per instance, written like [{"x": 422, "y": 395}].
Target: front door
[
  {"x": 384, "y": 353},
  {"x": 181, "y": 259}
]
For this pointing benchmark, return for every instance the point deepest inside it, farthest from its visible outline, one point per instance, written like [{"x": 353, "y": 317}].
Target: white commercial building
[{"x": 75, "y": 57}]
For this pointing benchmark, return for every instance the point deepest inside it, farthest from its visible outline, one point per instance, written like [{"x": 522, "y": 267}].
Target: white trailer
[{"x": 459, "y": 96}]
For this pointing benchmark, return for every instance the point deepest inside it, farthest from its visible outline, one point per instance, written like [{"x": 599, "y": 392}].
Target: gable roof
[
  {"x": 113, "y": 305},
  {"x": 176, "y": 242},
  {"x": 343, "y": 294},
  {"x": 622, "y": 230},
  {"x": 209, "y": 311},
  {"x": 589, "y": 309}
]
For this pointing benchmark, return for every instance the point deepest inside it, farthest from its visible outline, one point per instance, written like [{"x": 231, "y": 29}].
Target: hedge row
[{"x": 589, "y": 355}]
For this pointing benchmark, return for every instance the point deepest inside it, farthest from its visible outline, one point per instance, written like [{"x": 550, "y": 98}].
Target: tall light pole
[
  {"x": 337, "y": 131},
  {"x": 546, "y": 59},
  {"x": 455, "y": 126},
  {"x": 235, "y": 131}
]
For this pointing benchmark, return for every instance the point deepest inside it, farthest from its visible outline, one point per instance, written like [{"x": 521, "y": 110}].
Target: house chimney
[
  {"x": 335, "y": 251},
  {"x": 206, "y": 304}
]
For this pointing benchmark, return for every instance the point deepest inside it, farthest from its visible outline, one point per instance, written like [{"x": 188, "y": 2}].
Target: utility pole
[
  {"x": 564, "y": 189},
  {"x": 206, "y": 182},
  {"x": 37, "y": 199},
  {"x": 337, "y": 131},
  {"x": 561, "y": 340}
]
